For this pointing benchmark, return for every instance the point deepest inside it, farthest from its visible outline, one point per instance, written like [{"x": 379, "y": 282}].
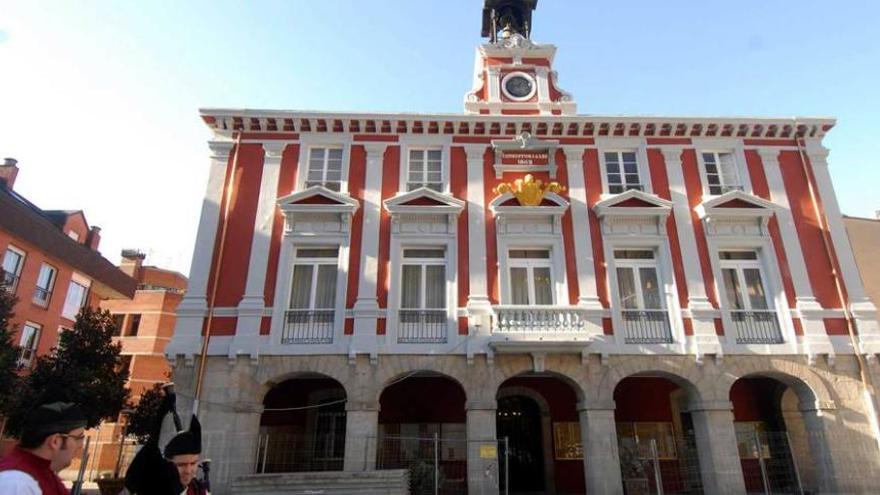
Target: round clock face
[{"x": 519, "y": 86}]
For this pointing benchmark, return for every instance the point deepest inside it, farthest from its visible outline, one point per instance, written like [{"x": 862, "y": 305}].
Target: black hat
[
  {"x": 55, "y": 417},
  {"x": 186, "y": 442}
]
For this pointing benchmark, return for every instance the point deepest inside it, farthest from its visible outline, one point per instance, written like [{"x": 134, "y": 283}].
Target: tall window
[
  {"x": 425, "y": 170},
  {"x": 119, "y": 322},
  {"x": 721, "y": 174},
  {"x": 637, "y": 283},
  {"x": 325, "y": 168},
  {"x": 310, "y": 317},
  {"x": 531, "y": 276},
  {"x": 75, "y": 300},
  {"x": 749, "y": 306},
  {"x": 645, "y": 321},
  {"x": 743, "y": 281},
  {"x": 45, "y": 284},
  {"x": 134, "y": 325},
  {"x": 622, "y": 171},
  {"x": 30, "y": 337},
  {"x": 12, "y": 264},
  {"x": 424, "y": 279}
]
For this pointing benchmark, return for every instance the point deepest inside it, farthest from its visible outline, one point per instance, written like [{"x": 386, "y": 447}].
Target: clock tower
[{"x": 512, "y": 74}]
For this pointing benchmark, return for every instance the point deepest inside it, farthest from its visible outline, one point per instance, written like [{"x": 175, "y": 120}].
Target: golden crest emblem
[{"x": 529, "y": 191}]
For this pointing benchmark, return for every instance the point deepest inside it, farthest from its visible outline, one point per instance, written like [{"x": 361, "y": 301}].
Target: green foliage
[
  {"x": 84, "y": 368},
  {"x": 9, "y": 353},
  {"x": 142, "y": 419}
]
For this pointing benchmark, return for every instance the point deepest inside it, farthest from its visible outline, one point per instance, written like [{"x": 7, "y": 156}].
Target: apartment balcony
[
  {"x": 519, "y": 328},
  {"x": 422, "y": 326},
  {"x": 756, "y": 327},
  {"x": 8, "y": 281},
  {"x": 308, "y": 326},
  {"x": 646, "y": 326}
]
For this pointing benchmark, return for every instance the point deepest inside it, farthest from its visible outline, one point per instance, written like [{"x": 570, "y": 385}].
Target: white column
[
  {"x": 251, "y": 306},
  {"x": 862, "y": 308},
  {"x": 192, "y": 308},
  {"x": 483, "y": 471},
  {"x": 478, "y": 298},
  {"x": 720, "y": 468},
  {"x": 599, "y": 442},
  {"x": 815, "y": 336},
  {"x": 705, "y": 340},
  {"x": 366, "y": 307}
]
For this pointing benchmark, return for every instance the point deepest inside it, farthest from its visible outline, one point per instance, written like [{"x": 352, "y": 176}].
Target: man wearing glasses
[{"x": 53, "y": 435}]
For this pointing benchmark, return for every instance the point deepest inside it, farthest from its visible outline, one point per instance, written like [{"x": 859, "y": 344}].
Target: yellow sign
[{"x": 488, "y": 451}]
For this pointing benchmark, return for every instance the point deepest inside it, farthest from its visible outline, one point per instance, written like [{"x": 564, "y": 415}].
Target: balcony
[
  {"x": 514, "y": 319},
  {"x": 422, "y": 326},
  {"x": 756, "y": 327},
  {"x": 8, "y": 281},
  {"x": 308, "y": 326},
  {"x": 646, "y": 326},
  {"x": 42, "y": 296}
]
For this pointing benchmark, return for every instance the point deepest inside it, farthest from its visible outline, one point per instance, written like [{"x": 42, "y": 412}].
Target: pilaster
[
  {"x": 252, "y": 304},
  {"x": 599, "y": 440},
  {"x": 366, "y": 307},
  {"x": 361, "y": 435},
  {"x": 193, "y": 307},
  {"x": 720, "y": 467},
  {"x": 483, "y": 450},
  {"x": 705, "y": 339}
]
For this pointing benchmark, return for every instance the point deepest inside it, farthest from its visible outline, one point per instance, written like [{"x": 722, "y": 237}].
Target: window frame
[
  {"x": 739, "y": 266},
  {"x": 530, "y": 264},
  {"x": 315, "y": 263},
  {"x": 85, "y": 297},
  {"x": 37, "y": 332},
  {"x": 640, "y": 186},
  {"x": 324, "y": 167},
  {"x": 309, "y": 141},
  {"x": 733, "y": 146},
  {"x": 636, "y": 264},
  {"x": 624, "y": 144},
  {"x": 22, "y": 257},
  {"x": 443, "y": 183},
  {"x": 53, "y": 278},
  {"x": 423, "y": 263},
  {"x": 704, "y": 173}
]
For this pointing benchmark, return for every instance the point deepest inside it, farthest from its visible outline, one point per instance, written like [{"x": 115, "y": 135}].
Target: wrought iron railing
[
  {"x": 646, "y": 326},
  {"x": 41, "y": 295},
  {"x": 539, "y": 319},
  {"x": 8, "y": 281},
  {"x": 308, "y": 326},
  {"x": 422, "y": 326},
  {"x": 756, "y": 327}
]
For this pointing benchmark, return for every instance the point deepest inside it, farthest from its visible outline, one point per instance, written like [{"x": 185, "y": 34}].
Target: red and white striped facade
[{"x": 776, "y": 210}]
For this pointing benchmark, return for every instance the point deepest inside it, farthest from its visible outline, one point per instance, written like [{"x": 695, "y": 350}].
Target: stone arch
[
  {"x": 281, "y": 368},
  {"x": 686, "y": 375},
  {"x": 566, "y": 368},
  {"x": 810, "y": 388},
  {"x": 411, "y": 366}
]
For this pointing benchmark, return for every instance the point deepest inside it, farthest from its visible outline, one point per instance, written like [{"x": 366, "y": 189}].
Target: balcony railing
[
  {"x": 756, "y": 327},
  {"x": 308, "y": 326},
  {"x": 41, "y": 296},
  {"x": 422, "y": 326},
  {"x": 8, "y": 281},
  {"x": 646, "y": 326},
  {"x": 539, "y": 319}
]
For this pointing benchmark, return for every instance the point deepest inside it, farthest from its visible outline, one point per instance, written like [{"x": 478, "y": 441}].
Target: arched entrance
[
  {"x": 537, "y": 415},
  {"x": 422, "y": 427},
  {"x": 773, "y": 436},
  {"x": 656, "y": 440},
  {"x": 302, "y": 427}
]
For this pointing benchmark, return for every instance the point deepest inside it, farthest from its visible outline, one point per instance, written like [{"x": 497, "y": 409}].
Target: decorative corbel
[{"x": 538, "y": 359}]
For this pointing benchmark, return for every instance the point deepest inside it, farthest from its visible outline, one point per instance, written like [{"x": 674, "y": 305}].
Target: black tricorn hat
[
  {"x": 186, "y": 442},
  {"x": 55, "y": 417}
]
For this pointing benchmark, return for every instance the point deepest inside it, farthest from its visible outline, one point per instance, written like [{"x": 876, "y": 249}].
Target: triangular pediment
[
  {"x": 318, "y": 198},
  {"x": 424, "y": 200},
  {"x": 633, "y": 202},
  {"x": 735, "y": 204}
]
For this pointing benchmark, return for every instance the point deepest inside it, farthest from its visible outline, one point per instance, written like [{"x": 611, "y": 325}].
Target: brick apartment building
[{"x": 532, "y": 299}]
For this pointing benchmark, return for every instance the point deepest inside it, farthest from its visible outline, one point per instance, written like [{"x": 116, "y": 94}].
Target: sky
[{"x": 99, "y": 99}]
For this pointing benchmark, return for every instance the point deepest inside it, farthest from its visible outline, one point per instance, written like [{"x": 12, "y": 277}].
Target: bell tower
[{"x": 512, "y": 74}]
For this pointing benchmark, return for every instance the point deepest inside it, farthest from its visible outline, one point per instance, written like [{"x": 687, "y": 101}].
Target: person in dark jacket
[{"x": 174, "y": 473}]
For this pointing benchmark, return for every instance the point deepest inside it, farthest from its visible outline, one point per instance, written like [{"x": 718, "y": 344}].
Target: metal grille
[
  {"x": 436, "y": 465},
  {"x": 538, "y": 319},
  {"x": 42, "y": 295},
  {"x": 644, "y": 471},
  {"x": 291, "y": 452},
  {"x": 767, "y": 463},
  {"x": 308, "y": 326},
  {"x": 646, "y": 326},
  {"x": 9, "y": 280},
  {"x": 756, "y": 327},
  {"x": 422, "y": 326}
]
